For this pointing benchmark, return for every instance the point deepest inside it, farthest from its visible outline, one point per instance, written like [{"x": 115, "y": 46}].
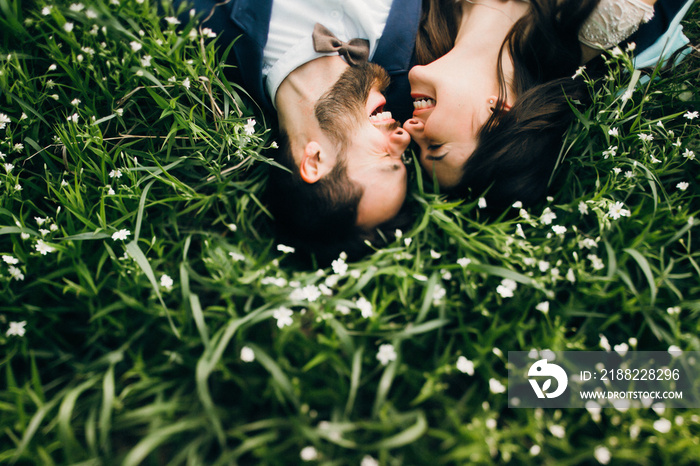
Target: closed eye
[{"x": 436, "y": 157}]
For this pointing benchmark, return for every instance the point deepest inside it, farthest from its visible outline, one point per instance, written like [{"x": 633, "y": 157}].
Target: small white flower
[
  {"x": 192, "y": 34},
  {"x": 172, "y": 20},
  {"x": 15, "y": 273},
  {"x": 369, "y": 461},
  {"x": 519, "y": 230},
  {"x": 44, "y": 248},
  {"x": 482, "y": 203},
  {"x": 579, "y": 72},
  {"x": 662, "y": 425},
  {"x": 77, "y": 7},
  {"x": 311, "y": 293},
  {"x": 517, "y": 205},
  {"x": 68, "y": 27},
  {"x": 587, "y": 243},
  {"x": 690, "y": 115},
  {"x": 110, "y": 191},
  {"x": 602, "y": 454},
  {"x": 247, "y": 354},
  {"x": 365, "y": 307},
  {"x": 73, "y": 118},
  {"x": 683, "y": 185},
  {"x": 616, "y": 211},
  {"x": 91, "y": 14},
  {"x": 559, "y": 229},
  {"x": 610, "y": 152},
  {"x": 465, "y": 366},
  {"x": 654, "y": 159},
  {"x": 434, "y": 254},
  {"x": 10, "y": 259},
  {"x": 46, "y": 10},
  {"x": 283, "y": 316},
  {"x": 339, "y": 266},
  {"x": 570, "y": 276},
  {"x": 386, "y": 354},
  {"x": 439, "y": 292},
  {"x": 208, "y": 33},
  {"x": 617, "y": 170},
  {"x": 463, "y": 261},
  {"x": 583, "y": 208},
  {"x": 236, "y": 256},
  {"x": 186, "y": 83},
  {"x": 121, "y": 234},
  {"x": 75, "y": 102},
  {"x": 16, "y": 329},
  {"x": 115, "y": 174},
  {"x": 675, "y": 310},
  {"x": 146, "y": 61},
  {"x": 614, "y": 132},
  {"x": 557, "y": 430},
  {"x": 646, "y": 137},
  {"x": 543, "y": 307},
  {"x": 285, "y": 249},
  {"x": 674, "y": 350},
  {"x": 535, "y": 450},
  {"x": 496, "y": 387},
  {"x": 166, "y": 282},
  {"x": 616, "y": 52},
  {"x": 689, "y": 154},
  {"x": 604, "y": 343},
  {"x": 596, "y": 262},
  {"x": 629, "y": 174},
  {"x": 135, "y": 45},
  {"x": 43, "y": 231},
  {"x": 8, "y": 167},
  {"x": 506, "y": 288},
  {"x": 547, "y": 216},
  {"x": 407, "y": 241},
  {"x": 308, "y": 454},
  {"x": 249, "y": 127}
]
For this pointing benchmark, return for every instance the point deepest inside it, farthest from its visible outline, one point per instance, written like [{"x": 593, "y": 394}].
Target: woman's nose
[{"x": 414, "y": 127}]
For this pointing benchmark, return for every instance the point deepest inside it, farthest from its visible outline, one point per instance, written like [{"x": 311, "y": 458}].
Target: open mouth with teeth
[
  {"x": 422, "y": 103},
  {"x": 380, "y": 117}
]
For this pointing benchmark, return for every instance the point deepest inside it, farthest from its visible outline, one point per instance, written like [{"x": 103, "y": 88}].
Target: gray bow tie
[{"x": 355, "y": 51}]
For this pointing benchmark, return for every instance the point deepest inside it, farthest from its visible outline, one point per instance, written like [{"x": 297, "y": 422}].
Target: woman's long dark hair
[{"x": 517, "y": 149}]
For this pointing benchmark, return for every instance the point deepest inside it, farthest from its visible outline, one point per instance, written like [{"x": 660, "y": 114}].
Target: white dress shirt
[{"x": 289, "y": 44}]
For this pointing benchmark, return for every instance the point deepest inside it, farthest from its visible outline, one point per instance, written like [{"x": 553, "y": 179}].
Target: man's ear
[{"x": 310, "y": 166}]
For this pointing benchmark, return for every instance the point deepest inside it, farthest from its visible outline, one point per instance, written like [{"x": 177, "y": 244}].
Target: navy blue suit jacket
[{"x": 245, "y": 23}]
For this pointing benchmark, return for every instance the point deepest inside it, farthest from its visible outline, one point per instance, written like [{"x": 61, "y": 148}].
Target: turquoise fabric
[{"x": 666, "y": 45}]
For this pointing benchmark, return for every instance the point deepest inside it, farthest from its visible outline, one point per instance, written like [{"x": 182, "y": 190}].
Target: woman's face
[{"x": 452, "y": 101}]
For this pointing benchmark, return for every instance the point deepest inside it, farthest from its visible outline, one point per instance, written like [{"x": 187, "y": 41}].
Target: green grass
[{"x": 120, "y": 366}]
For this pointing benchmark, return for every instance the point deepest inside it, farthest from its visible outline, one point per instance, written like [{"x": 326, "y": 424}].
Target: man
[{"x": 341, "y": 145}]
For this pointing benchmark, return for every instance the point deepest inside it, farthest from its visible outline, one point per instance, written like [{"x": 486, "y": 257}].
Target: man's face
[{"x": 372, "y": 142}]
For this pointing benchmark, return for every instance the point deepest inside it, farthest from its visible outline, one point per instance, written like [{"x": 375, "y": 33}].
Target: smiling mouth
[
  {"x": 422, "y": 103},
  {"x": 379, "y": 117}
]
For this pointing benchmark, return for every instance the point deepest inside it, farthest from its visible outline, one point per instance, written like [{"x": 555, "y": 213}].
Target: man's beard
[{"x": 342, "y": 109}]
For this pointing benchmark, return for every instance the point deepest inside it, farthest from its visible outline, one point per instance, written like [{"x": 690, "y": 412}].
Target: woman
[{"x": 495, "y": 99}]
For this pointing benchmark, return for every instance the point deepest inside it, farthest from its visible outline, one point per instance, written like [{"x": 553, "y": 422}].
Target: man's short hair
[{"x": 316, "y": 218}]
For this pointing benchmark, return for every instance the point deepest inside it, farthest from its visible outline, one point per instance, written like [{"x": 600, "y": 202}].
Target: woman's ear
[
  {"x": 492, "y": 104},
  {"x": 310, "y": 166}
]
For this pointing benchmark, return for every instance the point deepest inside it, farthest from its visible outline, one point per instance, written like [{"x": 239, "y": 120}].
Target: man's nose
[{"x": 399, "y": 139}]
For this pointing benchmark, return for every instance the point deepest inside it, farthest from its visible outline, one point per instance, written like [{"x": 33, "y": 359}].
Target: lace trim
[{"x": 613, "y": 21}]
